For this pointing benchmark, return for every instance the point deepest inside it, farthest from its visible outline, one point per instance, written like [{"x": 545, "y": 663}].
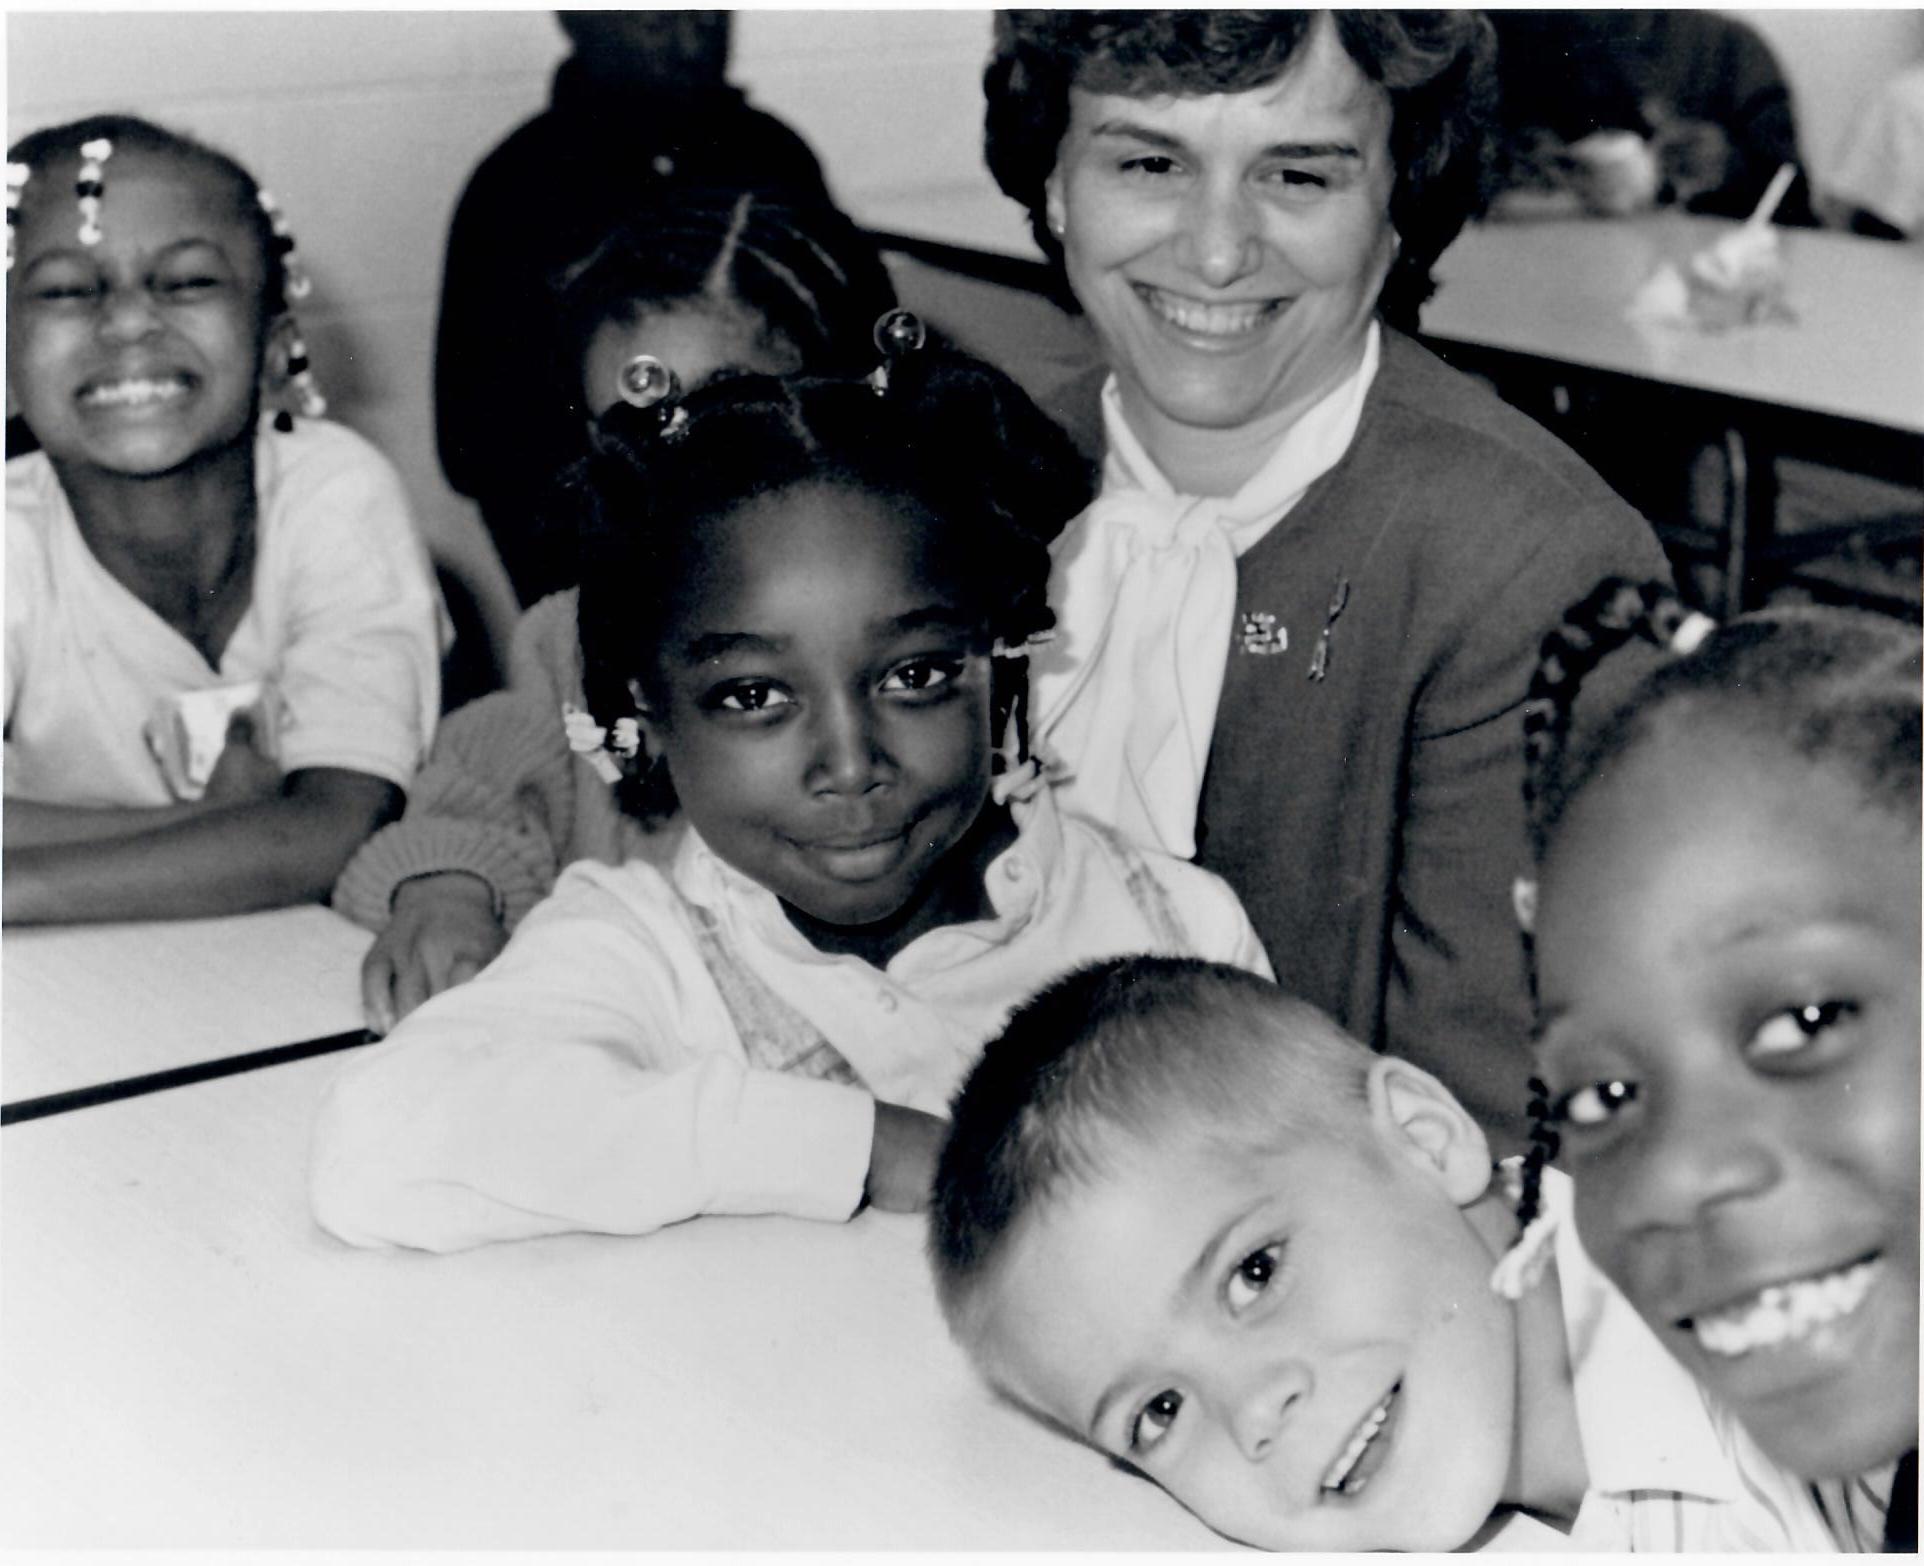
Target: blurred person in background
[
  {"x": 641, "y": 103},
  {"x": 1620, "y": 111}
]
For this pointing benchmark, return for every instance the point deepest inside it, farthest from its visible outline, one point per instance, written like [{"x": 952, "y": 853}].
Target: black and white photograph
[{"x": 929, "y": 779}]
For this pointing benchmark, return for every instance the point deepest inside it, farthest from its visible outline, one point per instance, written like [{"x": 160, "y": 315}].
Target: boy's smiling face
[
  {"x": 144, "y": 350},
  {"x": 1728, "y": 956},
  {"x": 1298, "y": 1342}
]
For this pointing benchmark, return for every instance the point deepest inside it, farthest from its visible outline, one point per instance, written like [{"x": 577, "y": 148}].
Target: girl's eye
[
  {"x": 1795, "y": 1027},
  {"x": 1252, "y": 1275},
  {"x": 1596, "y": 1104},
  {"x": 750, "y": 696},
  {"x": 1154, "y": 1421},
  {"x": 923, "y": 674},
  {"x": 60, "y": 292},
  {"x": 186, "y": 287}
]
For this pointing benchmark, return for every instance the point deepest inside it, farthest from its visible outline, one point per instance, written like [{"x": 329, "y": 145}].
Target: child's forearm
[
  {"x": 221, "y": 860},
  {"x": 32, "y": 823}
]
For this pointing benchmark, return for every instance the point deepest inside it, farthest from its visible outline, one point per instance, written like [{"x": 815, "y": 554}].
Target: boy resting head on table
[{"x": 1187, "y": 1219}]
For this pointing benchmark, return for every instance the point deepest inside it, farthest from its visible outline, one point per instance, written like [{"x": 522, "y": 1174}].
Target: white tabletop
[
  {"x": 188, "y": 1361},
  {"x": 85, "y": 1004},
  {"x": 1557, "y": 289}
]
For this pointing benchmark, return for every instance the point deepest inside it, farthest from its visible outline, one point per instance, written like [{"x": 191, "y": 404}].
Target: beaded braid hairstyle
[
  {"x": 281, "y": 280},
  {"x": 1825, "y": 687},
  {"x": 812, "y": 279},
  {"x": 948, "y": 435}
]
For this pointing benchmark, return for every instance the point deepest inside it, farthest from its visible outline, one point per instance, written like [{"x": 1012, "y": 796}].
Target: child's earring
[
  {"x": 91, "y": 185},
  {"x": 646, "y": 382},
  {"x": 17, "y": 176},
  {"x": 898, "y": 333}
]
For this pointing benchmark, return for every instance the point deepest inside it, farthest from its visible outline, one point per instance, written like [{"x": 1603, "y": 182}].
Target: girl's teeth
[
  {"x": 1359, "y": 1443},
  {"x": 1785, "y": 1312},
  {"x": 1208, "y": 320},
  {"x": 133, "y": 392}
]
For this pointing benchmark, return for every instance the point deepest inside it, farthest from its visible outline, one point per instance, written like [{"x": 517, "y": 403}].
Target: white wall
[
  {"x": 1834, "y": 61},
  {"x": 366, "y": 124}
]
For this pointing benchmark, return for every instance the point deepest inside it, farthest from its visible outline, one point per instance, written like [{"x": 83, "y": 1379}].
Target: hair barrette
[
  {"x": 1022, "y": 649},
  {"x": 1519, "y": 1269},
  {"x": 17, "y": 176},
  {"x": 646, "y": 382},
  {"x": 1691, "y": 633},
  {"x": 90, "y": 185},
  {"x": 897, "y": 334},
  {"x": 1523, "y": 899},
  {"x": 600, "y": 745}
]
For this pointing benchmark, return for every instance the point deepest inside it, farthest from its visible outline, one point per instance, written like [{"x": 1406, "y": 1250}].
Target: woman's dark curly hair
[
  {"x": 1436, "y": 66},
  {"x": 951, "y": 439}
]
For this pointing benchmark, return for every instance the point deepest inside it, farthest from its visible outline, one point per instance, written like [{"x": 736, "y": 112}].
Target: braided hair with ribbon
[{"x": 1826, "y": 686}]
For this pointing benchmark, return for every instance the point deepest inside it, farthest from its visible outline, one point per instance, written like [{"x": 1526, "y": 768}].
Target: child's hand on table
[
  {"x": 901, "y": 1160},
  {"x": 244, "y": 771},
  {"x": 443, "y": 932}
]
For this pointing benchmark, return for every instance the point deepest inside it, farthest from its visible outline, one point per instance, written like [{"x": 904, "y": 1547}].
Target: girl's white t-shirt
[{"x": 344, "y": 628}]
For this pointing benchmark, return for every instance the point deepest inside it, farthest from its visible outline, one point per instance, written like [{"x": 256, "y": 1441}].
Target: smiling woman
[{"x": 1298, "y": 620}]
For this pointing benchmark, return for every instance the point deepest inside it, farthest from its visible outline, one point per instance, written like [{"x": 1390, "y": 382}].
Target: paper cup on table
[{"x": 187, "y": 731}]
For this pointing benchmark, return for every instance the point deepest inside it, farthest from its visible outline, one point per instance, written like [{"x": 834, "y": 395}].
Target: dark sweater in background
[{"x": 1372, "y": 820}]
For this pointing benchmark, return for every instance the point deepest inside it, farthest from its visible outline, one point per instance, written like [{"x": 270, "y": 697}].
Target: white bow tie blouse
[{"x": 1144, "y": 592}]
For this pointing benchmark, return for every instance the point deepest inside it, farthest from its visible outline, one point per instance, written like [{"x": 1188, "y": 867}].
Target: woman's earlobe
[{"x": 1054, "y": 209}]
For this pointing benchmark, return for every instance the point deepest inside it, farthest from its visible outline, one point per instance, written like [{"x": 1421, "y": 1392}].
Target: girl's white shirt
[
  {"x": 1671, "y": 1469},
  {"x": 593, "y": 1077},
  {"x": 1144, "y": 590},
  {"x": 344, "y": 624}
]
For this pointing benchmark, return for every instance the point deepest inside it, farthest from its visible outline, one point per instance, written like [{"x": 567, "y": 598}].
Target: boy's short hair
[{"x": 1126, "y": 1046}]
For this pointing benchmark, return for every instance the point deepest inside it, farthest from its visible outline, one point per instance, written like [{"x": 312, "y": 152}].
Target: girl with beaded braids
[
  {"x": 1725, "y": 929},
  {"x": 711, "y": 282},
  {"x": 222, "y": 638},
  {"x": 805, "y": 615}
]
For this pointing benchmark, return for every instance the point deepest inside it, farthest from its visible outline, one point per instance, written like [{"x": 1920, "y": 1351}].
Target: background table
[
  {"x": 186, "y": 1360},
  {"x": 87, "y": 1004},
  {"x": 1841, "y": 384}
]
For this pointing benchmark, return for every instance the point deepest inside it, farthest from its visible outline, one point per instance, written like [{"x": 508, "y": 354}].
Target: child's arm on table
[
  {"x": 490, "y": 821},
  {"x": 564, "y": 1090},
  {"x": 241, "y": 773},
  {"x": 261, "y": 852},
  {"x": 902, "y": 1158}
]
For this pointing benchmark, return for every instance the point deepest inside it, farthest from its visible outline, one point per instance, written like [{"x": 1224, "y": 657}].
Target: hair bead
[
  {"x": 91, "y": 185},
  {"x": 295, "y": 281},
  {"x": 17, "y": 176},
  {"x": 898, "y": 333}
]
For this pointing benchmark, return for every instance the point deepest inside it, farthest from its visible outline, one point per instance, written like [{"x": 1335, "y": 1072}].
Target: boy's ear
[{"x": 1420, "y": 1119}]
